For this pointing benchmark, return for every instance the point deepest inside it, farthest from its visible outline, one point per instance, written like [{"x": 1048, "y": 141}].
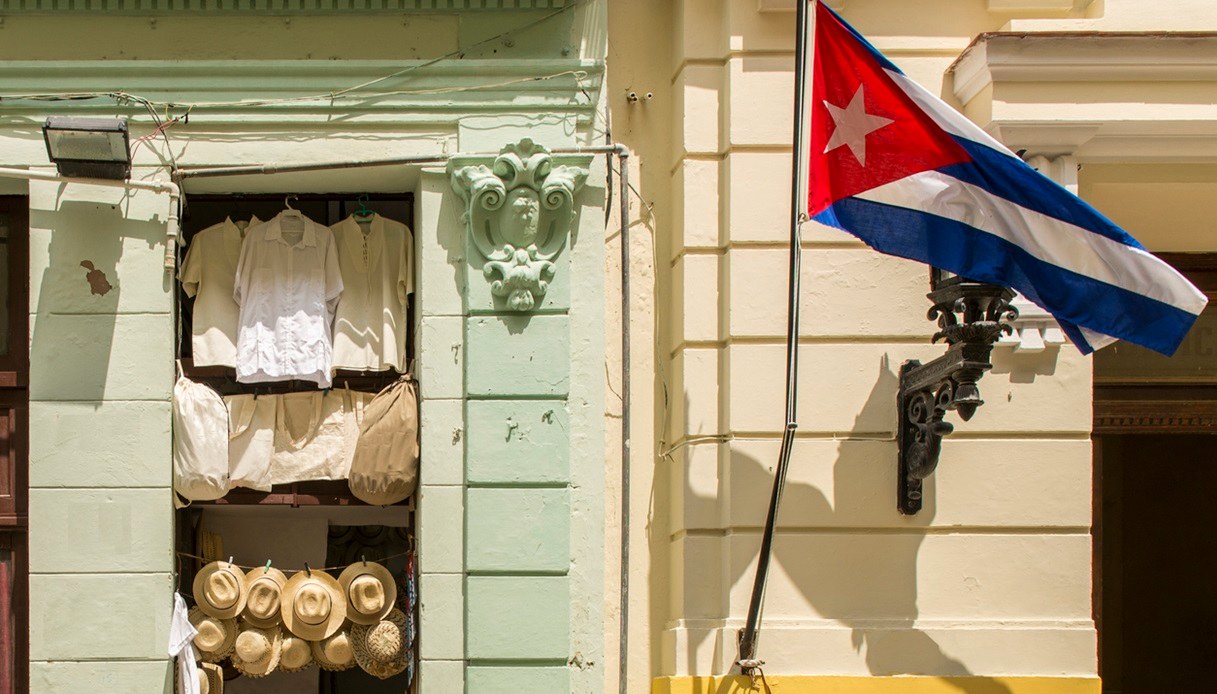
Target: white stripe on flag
[
  {"x": 1046, "y": 238},
  {"x": 946, "y": 117}
]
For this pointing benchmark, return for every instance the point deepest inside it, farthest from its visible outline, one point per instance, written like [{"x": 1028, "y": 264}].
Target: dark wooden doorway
[{"x": 1155, "y": 473}]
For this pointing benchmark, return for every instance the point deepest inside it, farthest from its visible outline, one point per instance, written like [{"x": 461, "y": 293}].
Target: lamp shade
[{"x": 88, "y": 147}]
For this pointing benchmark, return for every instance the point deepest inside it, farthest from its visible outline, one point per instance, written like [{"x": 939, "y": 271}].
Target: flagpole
[{"x": 748, "y": 661}]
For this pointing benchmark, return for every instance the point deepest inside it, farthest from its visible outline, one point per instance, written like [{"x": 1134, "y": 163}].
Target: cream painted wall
[{"x": 993, "y": 577}]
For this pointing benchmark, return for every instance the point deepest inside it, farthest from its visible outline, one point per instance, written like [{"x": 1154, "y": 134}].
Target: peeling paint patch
[{"x": 98, "y": 284}]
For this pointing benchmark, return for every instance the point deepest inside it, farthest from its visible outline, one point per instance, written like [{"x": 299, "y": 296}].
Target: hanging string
[{"x": 205, "y": 560}]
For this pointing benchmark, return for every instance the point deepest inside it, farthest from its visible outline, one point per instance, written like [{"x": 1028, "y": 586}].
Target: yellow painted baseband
[{"x": 808, "y": 684}]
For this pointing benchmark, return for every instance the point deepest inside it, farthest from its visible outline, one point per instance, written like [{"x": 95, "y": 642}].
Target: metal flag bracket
[{"x": 971, "y": 317}]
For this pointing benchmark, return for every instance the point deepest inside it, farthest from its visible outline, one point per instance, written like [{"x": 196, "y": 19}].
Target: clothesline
[{"x": 269, "y": 564}]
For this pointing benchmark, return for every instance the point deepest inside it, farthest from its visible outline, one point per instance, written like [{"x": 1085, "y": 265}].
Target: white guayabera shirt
[
  {"x": 287, "y": 285},
  {"x": 376, "y": 258},
  {"x": 208, "y": 274}
]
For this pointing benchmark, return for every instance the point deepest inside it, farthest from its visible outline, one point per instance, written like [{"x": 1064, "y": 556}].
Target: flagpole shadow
[{"x": 862, "y": 578}]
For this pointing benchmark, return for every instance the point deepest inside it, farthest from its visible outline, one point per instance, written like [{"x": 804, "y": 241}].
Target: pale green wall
[{"x": 512, "y": 531}]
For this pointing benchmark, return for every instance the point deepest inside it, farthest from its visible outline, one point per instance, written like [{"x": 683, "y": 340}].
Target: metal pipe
[
  {"x": 172, "y": 220},
  {"x": 420, "y": 159},
  {"x": 624, "y": 179}
]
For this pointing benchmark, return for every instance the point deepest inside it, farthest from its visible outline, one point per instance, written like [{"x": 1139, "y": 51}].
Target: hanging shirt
[
  {"x": 287, "y": 285},
  {"x": 207, "y": 274},
  {"x": 377, "y": 262},
  {"x": 181, "y": 647}
]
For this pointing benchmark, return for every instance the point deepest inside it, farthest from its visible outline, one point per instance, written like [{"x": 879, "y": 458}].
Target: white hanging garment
[
  {"x": 200, "y": 441},
  {"x": 251, "y": 442},
  {"x": 181, "y": 647},
  {"x": 376, "y": 258},
  {"x": 287, "y": 285},
  {"x": 208, "y": 274}
]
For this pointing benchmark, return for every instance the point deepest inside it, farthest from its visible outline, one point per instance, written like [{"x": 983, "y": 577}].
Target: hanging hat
[
  {"x": 370, "y": 591},
  {"x": 334, "y": 653},
  {"x": 263, "y": 589},
  {"x": 380, "y": 649},
  {"x": 213, "y": 677},
  {"x": 256, "y": 652},
  {"x": 204, "y": 686},
  {"x": 294, "y": 654},
  {"x": 313, "y": 606},
  {"x": 219, "y": 590},
  {"x": 216, "y": 636}
]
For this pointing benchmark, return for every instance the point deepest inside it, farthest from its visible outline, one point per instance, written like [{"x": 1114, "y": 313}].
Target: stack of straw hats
[{"x": 263, "y": 620}]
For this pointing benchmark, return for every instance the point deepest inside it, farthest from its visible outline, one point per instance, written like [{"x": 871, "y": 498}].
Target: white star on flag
[{"x": 853, "y": 124}]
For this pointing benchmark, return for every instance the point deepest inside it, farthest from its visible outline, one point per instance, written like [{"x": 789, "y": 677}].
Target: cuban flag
[{"x": 892, "y": 164}]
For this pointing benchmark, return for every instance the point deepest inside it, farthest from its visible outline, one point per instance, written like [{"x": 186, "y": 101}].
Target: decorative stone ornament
[{"x": 518, "y": 212}]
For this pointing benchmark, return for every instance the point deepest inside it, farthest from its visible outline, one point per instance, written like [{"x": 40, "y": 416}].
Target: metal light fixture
[
  {"x": 88, "y": 147},
  {"x": 971, "y": 317}
]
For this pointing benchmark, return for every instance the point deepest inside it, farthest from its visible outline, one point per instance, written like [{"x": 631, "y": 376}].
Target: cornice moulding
[
  {"x": 269, "y": 7},
  {"x": 1069, "y": 93},
  {"x": 789, "y": 5},
  {"x": 1083, "y": 57},
  {"x": 423, "y": 96}
]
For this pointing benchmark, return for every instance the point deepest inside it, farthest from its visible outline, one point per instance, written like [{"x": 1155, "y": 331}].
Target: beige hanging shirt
[
  {"x": 376, "y": 259},
  {"x": 208, "y": 274},
  {"x": 287, "y": 286}
]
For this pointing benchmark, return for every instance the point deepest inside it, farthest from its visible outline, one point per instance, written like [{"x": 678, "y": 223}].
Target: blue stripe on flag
[
  {"x": 1022, "y": 185},
  {"x": 964, "y": 250}
]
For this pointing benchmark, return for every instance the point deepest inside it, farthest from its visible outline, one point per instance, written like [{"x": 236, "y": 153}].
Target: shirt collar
[{"x": 274, "y": 231}]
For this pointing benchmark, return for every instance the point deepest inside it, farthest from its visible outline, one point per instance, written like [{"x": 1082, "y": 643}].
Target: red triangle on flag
[{"x": 865, "y": 131}]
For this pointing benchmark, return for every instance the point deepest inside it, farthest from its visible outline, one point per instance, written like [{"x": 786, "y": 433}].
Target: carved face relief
[
  {"x": 519, "y": 212},
  {"x": 520, "y": 217}
]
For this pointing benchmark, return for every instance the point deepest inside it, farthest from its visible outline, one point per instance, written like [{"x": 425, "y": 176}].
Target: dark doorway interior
[{"x": 1156, "y": 562}]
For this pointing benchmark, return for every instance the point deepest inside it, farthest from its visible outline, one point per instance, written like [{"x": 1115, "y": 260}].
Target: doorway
[
  {"x": 1155, "y": 507},
  {"x": 1156, "y": 562}
]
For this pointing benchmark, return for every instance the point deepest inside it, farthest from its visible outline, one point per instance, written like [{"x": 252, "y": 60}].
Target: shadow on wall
[
  {"x": 865, "y": 580},
  {"x": 77, "y": 299}
]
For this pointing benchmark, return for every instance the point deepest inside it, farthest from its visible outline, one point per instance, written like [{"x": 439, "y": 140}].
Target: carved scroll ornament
[{"x": 518, "y": 212}]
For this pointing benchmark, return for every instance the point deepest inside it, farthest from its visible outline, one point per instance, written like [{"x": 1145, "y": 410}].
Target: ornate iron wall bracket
[{"x": 971, "y": 317}]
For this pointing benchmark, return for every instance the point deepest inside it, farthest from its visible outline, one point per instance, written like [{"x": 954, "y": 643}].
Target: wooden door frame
[{"x": 1163, "y": 408}]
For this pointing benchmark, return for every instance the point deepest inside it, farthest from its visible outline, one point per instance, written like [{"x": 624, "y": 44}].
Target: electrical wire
[
  {"x": 351, "y": 92},
  {"x": 307, "y": 568}
]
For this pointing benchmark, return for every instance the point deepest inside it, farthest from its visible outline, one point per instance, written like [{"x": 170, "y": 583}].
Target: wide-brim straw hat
[
  {"x": 263, "y": 596},
  {"x": 212, "y": 676},
  {"x": 216, "y": 636},
  {"x": 336, "y": 652},
  {"x": 313, "y": 605},
  {"x": 381, "y": 649},
  {"x": 295, "y": 654},
  {"x": 219, "y": 590},
  {"x": 256, "y": 652},
  {"x": 370, "y": 591}
]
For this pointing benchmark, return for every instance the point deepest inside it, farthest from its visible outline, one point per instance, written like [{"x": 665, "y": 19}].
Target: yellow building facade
[{"x": 997, "y": 584}]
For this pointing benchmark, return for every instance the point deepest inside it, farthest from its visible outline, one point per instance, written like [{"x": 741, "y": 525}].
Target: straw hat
[
  {"x": 312, "y": 605},
  {"x": 263, "y": 588},
  {"x": 370, "y": 591},
  {"x": 219, "y": 590},
  {"x": 294, "y": 654},
  {"x": 335, "y": 653},
  {"x": 216, "y": 636},
  {"x": 256, "y": 652},
  {"x": 211, "y": 679},
  {"x": 381, "y": 649}
]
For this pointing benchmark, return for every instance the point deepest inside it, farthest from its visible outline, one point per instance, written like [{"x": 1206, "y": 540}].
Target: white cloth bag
[
  {"x": 200, "y": 441},
  {"x": 314, "y": 435},
  {"x": 251, "y": 442}
]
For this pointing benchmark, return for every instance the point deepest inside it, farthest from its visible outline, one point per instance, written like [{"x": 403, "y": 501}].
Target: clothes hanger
[
  {"x": 364, "y": 212},
  {"x": 291, "y": 211}
]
